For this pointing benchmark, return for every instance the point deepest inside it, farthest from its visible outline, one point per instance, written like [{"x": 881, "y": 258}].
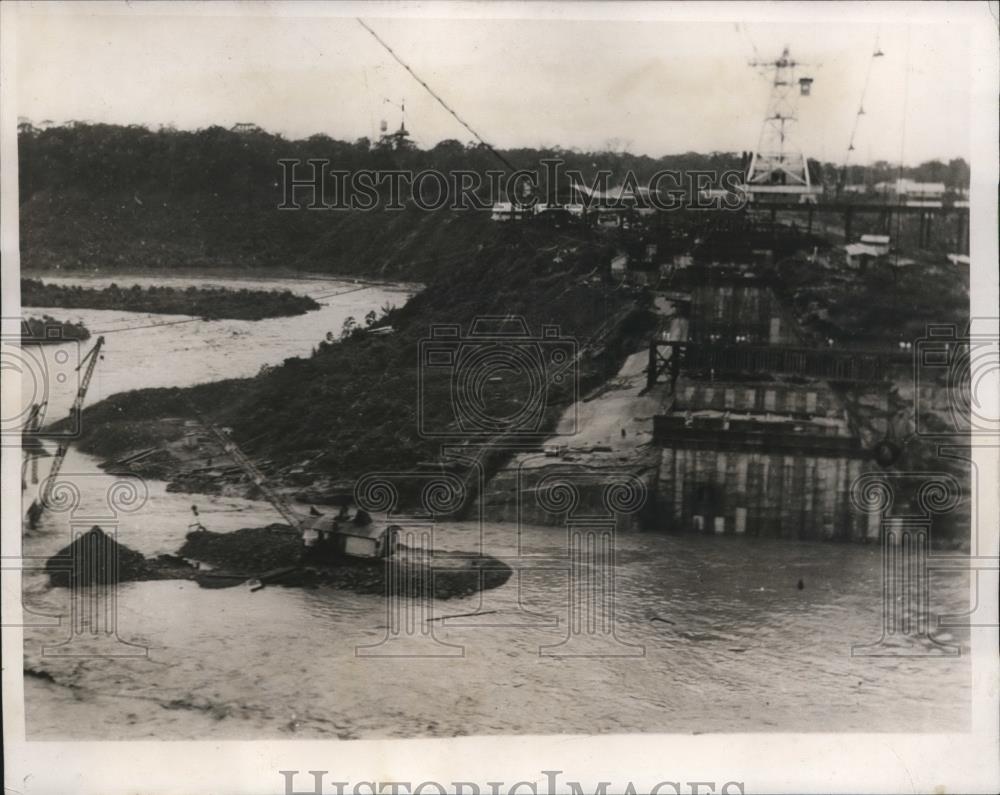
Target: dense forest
[{"x": 128, "y": 198}]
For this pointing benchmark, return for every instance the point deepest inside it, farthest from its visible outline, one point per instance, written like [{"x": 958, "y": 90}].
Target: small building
[
  {"x": 552, "y": 209},
  {"x": 860, "y": 255},
  {"x": 879, "y": 242},
  {"x": 911, "y": 189},
  {"x": 355, "y": 536},
  {"x": 608, "y": 220},
  {"x": 507, "y": 211}
]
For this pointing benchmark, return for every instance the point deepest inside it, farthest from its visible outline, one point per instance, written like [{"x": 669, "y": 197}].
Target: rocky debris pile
[
  {"x": 95, "y": 558},
  {"x": 252, "y": 549},
  {"x": 272, "y": 555},
  {"x": 450, "y": 576},
  {"x": 277, "y": 551}
]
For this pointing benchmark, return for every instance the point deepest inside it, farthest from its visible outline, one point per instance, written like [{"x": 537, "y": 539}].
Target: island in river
[{"x": 212, "y": 303}]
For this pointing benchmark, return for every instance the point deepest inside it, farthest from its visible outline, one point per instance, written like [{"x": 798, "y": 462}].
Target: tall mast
[
  {"x": 81, "y": 393},
  {"x": 778, "y": 161}
]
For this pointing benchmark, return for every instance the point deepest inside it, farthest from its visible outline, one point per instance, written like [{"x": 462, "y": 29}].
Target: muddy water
[
  {"x": 726, "y": 641},
  {"x": 729, "y": 643},
  {"x": 178, "y": 350}
]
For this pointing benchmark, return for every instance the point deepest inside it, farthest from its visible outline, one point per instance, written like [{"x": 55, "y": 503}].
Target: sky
[{"x": 655, "y": 86}]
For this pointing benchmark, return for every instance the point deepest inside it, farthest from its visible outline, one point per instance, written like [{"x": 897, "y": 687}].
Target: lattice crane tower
[{"x": 779, "y": 167}]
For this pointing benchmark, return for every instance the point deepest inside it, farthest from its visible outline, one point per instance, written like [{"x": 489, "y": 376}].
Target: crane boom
[
  {"x": 31, "y": 428},
  {"x": 81, "y": 393},
  {"x": 358, "y": 544},
  {"x": 256, "y": 476}
]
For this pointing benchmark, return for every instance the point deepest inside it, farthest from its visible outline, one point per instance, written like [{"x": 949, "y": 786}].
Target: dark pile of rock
[
  {"x": 95, "y": 558},
  {"x": 250, "y": 550}
]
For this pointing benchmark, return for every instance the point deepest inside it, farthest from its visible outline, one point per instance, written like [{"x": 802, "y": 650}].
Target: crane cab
[{"x": 352, "y": 536}]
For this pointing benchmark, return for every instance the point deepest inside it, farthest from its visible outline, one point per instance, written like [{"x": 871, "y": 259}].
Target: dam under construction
[{"x": 734, "y": 418}]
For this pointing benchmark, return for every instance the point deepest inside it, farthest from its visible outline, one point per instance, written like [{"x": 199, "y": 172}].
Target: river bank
[
  {"x": 144, "y": 350},
  {"x": 208, "y": 303},
  {"x": 258, "y": 277},
  {"x": 46, "y": 330},
  {"x": 349, "y": 408}
]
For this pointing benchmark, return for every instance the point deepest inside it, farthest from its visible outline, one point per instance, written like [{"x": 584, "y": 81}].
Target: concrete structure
[
  {"x": 738, "y": 313},
  {"x": 760, "y": 459}
]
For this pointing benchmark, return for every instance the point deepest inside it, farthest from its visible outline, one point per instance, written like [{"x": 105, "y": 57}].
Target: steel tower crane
[
  {"x": 778, "y": 165},
  {"x": 90, "y": 360}
]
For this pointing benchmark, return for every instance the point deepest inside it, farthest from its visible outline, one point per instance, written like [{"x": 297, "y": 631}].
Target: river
[{"x": 714, "y": 634}]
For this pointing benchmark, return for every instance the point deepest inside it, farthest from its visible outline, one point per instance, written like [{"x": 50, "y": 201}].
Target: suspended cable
[
  {"x": 150, "y": 325},
  {"x": 430, "y": 91},
  {"x": 342, "y": 292},
  {"x": 876, "y": 53},
  {"x": 368, "y": 96},
  {"x": 741, "y": 27},
  {"x": 902, "y": 147}
]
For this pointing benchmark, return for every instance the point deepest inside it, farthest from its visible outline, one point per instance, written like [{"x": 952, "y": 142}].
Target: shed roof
[
  {"x": 859, "y": 249},
  {"x": 326, "y": 523}
]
